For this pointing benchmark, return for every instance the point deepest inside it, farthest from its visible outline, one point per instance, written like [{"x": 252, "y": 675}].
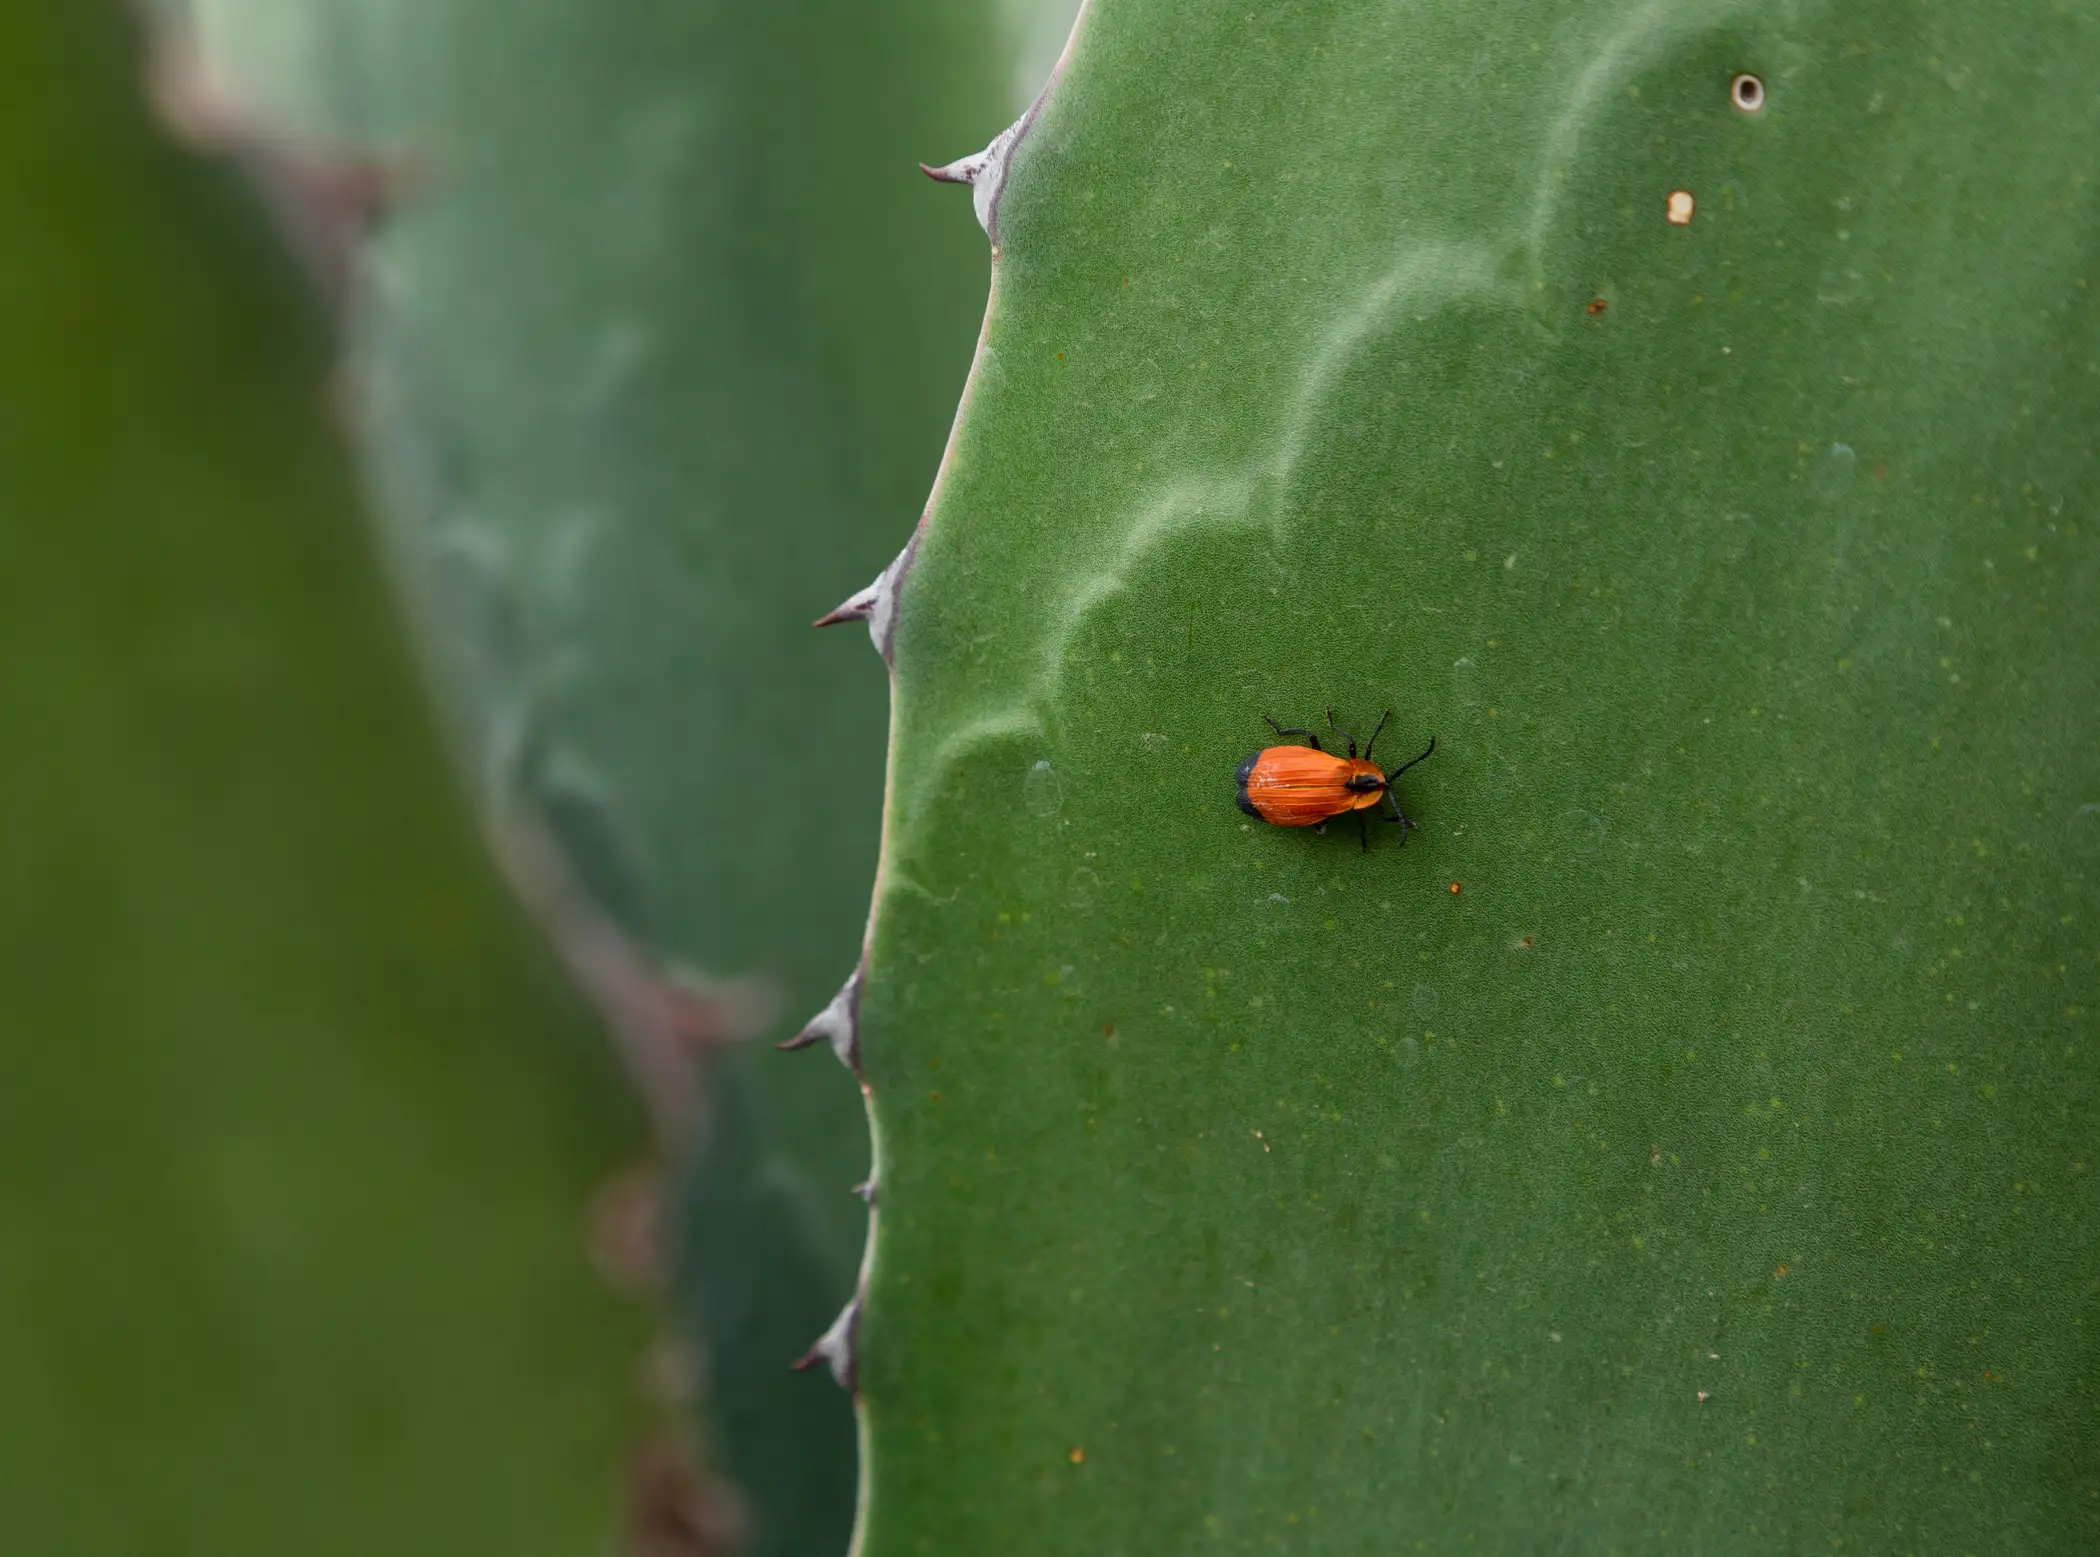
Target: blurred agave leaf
[
  {"x": 296, "y": 1125},
  {"x": 655, "y": 341}
]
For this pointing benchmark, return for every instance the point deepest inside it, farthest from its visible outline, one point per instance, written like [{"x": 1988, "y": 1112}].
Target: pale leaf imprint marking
[{"x": 1427, "y": 274}]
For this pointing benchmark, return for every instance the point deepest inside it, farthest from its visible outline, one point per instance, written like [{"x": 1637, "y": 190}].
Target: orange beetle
[{"x": 1303, "y": 786}]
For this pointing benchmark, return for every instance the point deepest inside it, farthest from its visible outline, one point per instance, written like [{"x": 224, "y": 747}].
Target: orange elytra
[{"x": 1305, "y": 786}]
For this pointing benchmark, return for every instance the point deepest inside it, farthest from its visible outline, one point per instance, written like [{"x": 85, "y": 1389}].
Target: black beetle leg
[
  {"x": 1280, "y": 730},
  {"x": 1338, "y": 730}
]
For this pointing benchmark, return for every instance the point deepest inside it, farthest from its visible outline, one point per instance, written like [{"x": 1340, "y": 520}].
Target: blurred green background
[{"x": 299, "y": 1124}]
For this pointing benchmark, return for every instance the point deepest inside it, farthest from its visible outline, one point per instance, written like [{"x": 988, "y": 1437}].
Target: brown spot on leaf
[
  {"x": 675, "y": 1509},
  {"x": 624, "y": 1231}
]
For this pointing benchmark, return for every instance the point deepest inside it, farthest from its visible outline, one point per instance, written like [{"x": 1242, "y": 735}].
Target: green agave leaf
[
  {"x": 297, "y": 1125},
  {"x": 652, "y": 347},
  {"x": 1686, "y": 1142}
]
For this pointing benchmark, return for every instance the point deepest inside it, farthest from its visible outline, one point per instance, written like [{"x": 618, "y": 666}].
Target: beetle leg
[
  {"x": 1338, "y": 730},
  {"x": 1373, "y": 741},
  {"x": 1280, "y": 730},
  {"x": 1363, "y": 830},
  {"x": 1320, "y": 828},
  {"x": 1389, "y": 800}
]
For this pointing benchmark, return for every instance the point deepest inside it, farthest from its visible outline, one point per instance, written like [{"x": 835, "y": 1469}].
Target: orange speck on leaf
[
  {"x": 1454, "y": 889},
  {"x": 1077, "y": 1456},
  {"x": 1679, "y": 209},
  {"x": 1781, "y": 1271},
  {"x": 1595, "y": 306},
  {"x": 1108, "y": 1029}
]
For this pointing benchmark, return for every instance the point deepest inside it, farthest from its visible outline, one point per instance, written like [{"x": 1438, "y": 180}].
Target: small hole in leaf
[{"x": 1747, "y": 93}]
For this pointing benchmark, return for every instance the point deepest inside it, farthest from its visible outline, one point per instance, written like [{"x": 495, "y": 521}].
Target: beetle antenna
[
  {"x": 1373, "y": 741},
  {"x": 1406, "y": 765}
]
